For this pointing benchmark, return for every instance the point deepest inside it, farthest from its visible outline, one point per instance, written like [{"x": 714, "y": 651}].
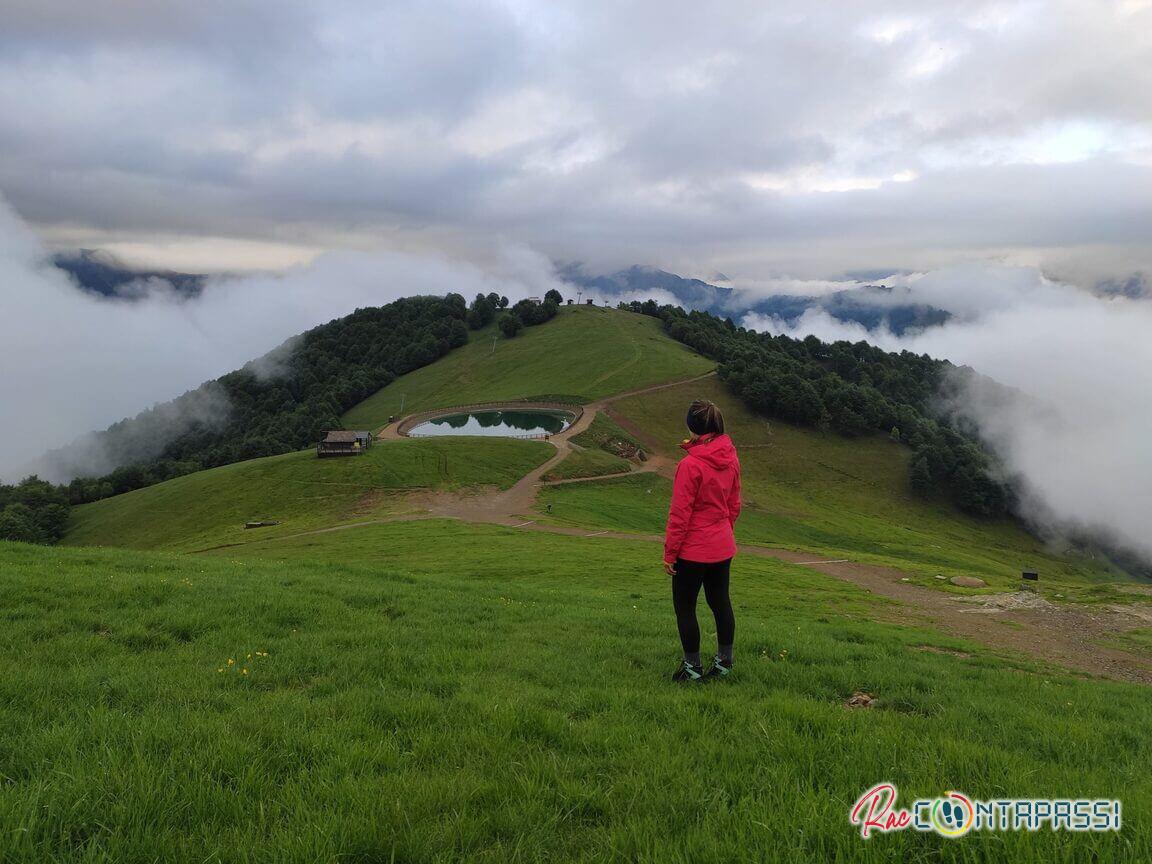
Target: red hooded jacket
[{"x": 705, "y": 502}]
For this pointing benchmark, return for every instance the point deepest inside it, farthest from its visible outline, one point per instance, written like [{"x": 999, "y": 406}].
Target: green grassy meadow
[
  {"x": 210, "y": 508},
  {"x": 604, "y": 434},
  {"x": 822, "y": 493},
  {"x": 587, "y": 463},
  {"x": 424, "y": 701},
  {"x": 434, "y": 691},
  {"x": 583, "y": 354}
]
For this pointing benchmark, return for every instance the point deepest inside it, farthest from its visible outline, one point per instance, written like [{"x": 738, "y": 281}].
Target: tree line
[
  {"x": 852, "y": 389},
  {"x": 33, "y": 511},
  {"x": 487, "y": 308}
]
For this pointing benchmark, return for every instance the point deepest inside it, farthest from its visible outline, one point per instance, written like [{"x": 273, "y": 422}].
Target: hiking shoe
[
  {"x": 720, "y": 668},
  {"x": 688, "y": 672}
]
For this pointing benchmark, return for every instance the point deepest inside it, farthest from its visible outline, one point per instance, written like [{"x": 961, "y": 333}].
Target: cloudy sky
[{"x": 802, "y": 138}]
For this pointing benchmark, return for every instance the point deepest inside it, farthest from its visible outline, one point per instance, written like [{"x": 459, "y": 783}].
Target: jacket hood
[{"x": 717, "y": 452}]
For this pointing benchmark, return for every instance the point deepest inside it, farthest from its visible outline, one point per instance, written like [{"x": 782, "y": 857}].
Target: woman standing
[{"x": 698, "y": 543}]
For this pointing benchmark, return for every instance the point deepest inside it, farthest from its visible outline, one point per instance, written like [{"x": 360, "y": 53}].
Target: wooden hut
[{"x": 344, "y": 442}]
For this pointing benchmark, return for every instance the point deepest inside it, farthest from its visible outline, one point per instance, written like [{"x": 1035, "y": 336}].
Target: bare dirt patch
[
  {"x": 1011, "y": 601},
  {"x": 940, "y": 649},
  {"x": 968, "y": 581}
]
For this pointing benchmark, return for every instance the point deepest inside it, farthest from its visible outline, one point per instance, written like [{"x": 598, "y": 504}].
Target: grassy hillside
[
  {"x": 302, "y": 492},
  {"x": 584, "y": 352},
  {"x": 587, "y": 463},
  {"x": 821, "y": 493},
  {"x": 603, "y": 434},
  {"x": 844, "y": 497},
  {"x": 411, "y": 697}
]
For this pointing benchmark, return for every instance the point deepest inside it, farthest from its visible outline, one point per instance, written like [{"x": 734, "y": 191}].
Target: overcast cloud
[{"x": 798, "y": 138}]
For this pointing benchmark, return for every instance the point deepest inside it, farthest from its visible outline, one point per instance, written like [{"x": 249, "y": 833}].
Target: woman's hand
[{"x": 669, "y": 568}]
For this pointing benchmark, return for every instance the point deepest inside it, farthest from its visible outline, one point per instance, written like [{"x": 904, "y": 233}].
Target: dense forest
[
  {"x": 527, "y": 313},
  {"x": 277, "y": 404},
  {"x": 33, "y": 511},
  {"x": 852, "y": 389}
]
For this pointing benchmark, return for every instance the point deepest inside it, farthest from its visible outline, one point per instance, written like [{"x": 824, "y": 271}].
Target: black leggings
[{"x": 690, "y": 575}]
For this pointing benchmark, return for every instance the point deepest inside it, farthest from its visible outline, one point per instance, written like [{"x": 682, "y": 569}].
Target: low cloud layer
[
  {"x": 73, "y": 363},
  {"x": 1081, "y": 439}
]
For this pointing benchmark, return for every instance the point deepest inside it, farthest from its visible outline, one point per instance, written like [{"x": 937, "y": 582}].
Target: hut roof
[{"x": 340, "y": 436}]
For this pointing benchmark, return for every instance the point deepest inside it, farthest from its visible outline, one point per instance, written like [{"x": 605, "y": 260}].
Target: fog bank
[
  {"x": 1083, "y": 449},
  {"x": 73, "y": 363}
]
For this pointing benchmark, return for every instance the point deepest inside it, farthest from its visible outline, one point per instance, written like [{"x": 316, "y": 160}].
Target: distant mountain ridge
[
  {"x": 1133, "y": 286},
  {"x": 98, "y": 272},
  {"x": 691, "y": 293},
  {"x": 868, "y": 305}
]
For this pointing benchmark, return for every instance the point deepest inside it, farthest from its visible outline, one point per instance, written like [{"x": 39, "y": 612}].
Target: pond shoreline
[{"x": 574, "y": 412}]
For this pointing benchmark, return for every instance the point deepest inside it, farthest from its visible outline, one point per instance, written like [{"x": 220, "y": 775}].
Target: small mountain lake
[{"x": 495, "y": 424}]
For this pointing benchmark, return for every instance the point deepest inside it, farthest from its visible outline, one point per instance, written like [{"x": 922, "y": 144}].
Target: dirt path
[
  {"x": 647, "y": 469},
  {"x": 517, "y": 504},
  {"x": 1019, "y": 626}
]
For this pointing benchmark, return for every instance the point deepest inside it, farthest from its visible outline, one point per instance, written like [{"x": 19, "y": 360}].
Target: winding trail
[
  {"x": 516, "y": 504},
  {"x": 1017, "y": 625}
]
